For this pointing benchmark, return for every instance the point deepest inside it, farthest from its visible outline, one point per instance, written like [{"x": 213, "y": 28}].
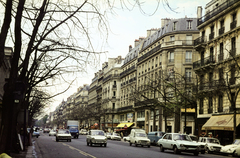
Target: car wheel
[
  {"x": 136, "y": 144},
  {"x": 90, "y": 143},
  {"x": 196, "y": 153},
  {"x": 141, "y": 145},
  {"x": 70, "y": 140},
  {"x": 105, "y": 145},
  {"x": 130, "y": 144},
  {"x": 175, "y": 150},
  {"x": 203, "y": 152},
  {"x": 87, "y": 144},
  {"x": 208, "y": 151},
  {"x": 57, "y": 140},
  {"x": 161, "y": 148},
  {"x": 234, "y": 154},
  {"x": 148, "y": 146}
]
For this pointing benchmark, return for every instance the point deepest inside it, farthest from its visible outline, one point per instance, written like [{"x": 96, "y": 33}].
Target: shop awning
[
  {"x": 123, "y": 124},
  {"x": 221, "y": 122}
]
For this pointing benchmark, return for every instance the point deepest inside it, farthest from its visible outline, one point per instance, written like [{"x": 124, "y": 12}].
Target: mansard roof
[{"x": 181, "y": 25}]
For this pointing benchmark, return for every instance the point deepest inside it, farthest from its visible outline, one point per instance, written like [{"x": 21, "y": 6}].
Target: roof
[{"x": 181, "y": 25}]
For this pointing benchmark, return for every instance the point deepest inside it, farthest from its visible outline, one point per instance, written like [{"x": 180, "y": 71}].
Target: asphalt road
[{"x": 49, "y": 148}]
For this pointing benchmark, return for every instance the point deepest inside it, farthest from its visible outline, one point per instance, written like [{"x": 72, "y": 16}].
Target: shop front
[{"x": 221, "y": 127}]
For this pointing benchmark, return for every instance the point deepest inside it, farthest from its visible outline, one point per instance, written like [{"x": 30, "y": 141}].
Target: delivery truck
[{"x": 72, "y": 126}]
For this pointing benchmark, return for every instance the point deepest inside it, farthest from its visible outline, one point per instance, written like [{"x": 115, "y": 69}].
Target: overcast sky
[{"x": 126, "y": 26}]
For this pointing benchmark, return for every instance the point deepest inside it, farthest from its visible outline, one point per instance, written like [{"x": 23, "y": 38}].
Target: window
[
  {"x": 201, "y": 106},
  {"x": 113, "y": 106},
  {"x": 232, "y": 79},
  {"x": 211, "y": 54},
  {"x": 232, "y": 99},
  {"x": 171, "y": 57},
  {"x": 233, "y": 24},
  {"x": 210, "y": 78},
  {"x": 210, "y": 105},
  {"x": 189, "y": 24},
  {"x": 220, "y": 56},
  {"x": 140, "y": 114},
  {"x": 160, "y": 59},
  {"x": 189, "y": 39},
  {"x": 121, "y": 117},
  {"x": 174, "y": 26},
  {"x": 151, "y": 115},
  {"x": 220, "y": 74},
  {"x": 188, "y": 74},
  {"x": 211, "y": 35},
  {"x": 220, "y": 103},
  {"x": 188, "y": 58},
  {"x": 221, "y": 30},
  {"x": 114, "y": 93},
  {"x": 233, "y": 47}
]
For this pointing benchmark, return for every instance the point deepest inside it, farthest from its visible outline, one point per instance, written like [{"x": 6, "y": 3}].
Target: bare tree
[{"x": 51, "y": 39}]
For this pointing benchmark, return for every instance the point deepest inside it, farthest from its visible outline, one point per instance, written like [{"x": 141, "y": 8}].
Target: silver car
[{"x": 96, "y": 137}]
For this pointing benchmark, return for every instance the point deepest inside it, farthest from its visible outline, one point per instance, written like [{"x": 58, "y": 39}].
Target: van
[
  {"x": 155, "y": 136},
  {"x": 139, "y": 137}
]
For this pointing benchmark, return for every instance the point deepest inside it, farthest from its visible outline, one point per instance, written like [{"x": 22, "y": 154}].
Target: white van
[{"x": 139, "y": 137}]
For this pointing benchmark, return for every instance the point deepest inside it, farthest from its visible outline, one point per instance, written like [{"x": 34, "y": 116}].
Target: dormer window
[
  {"x": 189, "y": 24},
  {"x": 174, "y": 26}
]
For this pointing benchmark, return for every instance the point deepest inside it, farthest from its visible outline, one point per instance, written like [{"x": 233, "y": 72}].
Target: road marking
[{"x": 80, "y": 151}]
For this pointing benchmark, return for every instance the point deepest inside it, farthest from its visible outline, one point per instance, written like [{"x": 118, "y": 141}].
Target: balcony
[
  {"x": 204, "y": 62},
  {"x": 216, "y": 11},
  {"x": 233, "y": 24},
  {"x": 125, "y": 108},
  {"x": 221, "y": 31},
  {"x": 211, "y": 36},
  {"x": 149, "y": 53},
  {"x": 212, "y": 85},
  {"x": 114, "y": 86},
  {"x": 129, "y": 70},
  {"x": 200, "y": 40}
]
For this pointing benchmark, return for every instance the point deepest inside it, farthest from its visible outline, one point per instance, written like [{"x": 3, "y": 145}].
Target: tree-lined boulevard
[{"x": 48, "y": 147}]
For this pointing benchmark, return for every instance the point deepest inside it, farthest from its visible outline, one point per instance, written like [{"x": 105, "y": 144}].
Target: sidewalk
[{"x": 33, "y": 151}]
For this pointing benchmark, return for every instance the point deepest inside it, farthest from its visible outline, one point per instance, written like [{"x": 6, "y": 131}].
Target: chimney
[
  {"x": 199, "y": 12},
  {"x": 164, "y": 21},
  {"x": 136, "y": 42},
  {"x": 130, "y": 48}
]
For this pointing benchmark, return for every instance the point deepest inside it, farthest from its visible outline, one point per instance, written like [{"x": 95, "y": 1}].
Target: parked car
[
  {"x": 115, "y": 136},
  {"x": 52, "y": 133},
  {"x": 36, "y": 134},
  {"x": 96, "y": 137},
  {"x": 231, "y": 149},
  {"x": 63, "y": 134},
  {"x": 211, "y": 144},
  {"x": 108, "y": 135},
  {"x": 195, "y": 139},
  {"x": 139, "y": 137},
  {"x": 46, "y": 130},
  {"x": 237, "y": 152},
  {"x": 126, "y": 138},
  {"x": 155, "y": 136},
  {"x": 178, "y": 143},
  {"x": 83, "y": 132}
]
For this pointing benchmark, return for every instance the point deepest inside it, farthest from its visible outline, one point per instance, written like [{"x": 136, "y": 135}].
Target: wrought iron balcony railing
[
  {"x": 221, "y": 30},
  {"x": 233, "y": 24},
  {"x": 204, "y": 62}
]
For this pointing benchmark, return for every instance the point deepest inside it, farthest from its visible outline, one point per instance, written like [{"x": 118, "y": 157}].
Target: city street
[{"x": 48, "y": 147}]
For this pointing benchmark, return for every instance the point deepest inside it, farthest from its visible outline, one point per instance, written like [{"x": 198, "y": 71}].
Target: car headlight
[{"x": 211, "y": 147}]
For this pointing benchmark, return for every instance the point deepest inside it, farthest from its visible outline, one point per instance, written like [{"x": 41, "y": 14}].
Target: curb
[{"x": 33, "y": 151}]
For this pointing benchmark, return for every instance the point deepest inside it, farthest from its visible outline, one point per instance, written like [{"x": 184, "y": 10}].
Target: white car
[
  {"x": 139, "y": 137},
  {"x": 126, "y": 138},
  {"x": 211, "y": 144},
  {"x": 96, "y": 137},
  {"x": 63, "y": 134},
  {"x": 108, "y": 135},
  {"x": 195, "y": 139},
  {"x": 83, "y": 132},
  {"x": 231, "y": 149},
  {"x": 52, "y": 133},
  {"x": 178, "y": 143},
  {"x": 115, "y": 136}
]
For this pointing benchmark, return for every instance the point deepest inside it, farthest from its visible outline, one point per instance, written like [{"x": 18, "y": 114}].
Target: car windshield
[
  {"x": 52, "y": 131},
  {"x": 73, "y": 128},
  {"x": 101, "y": 133},
  {"x": 215, "y": 141},
  {"x": 63, "y": 132},
  {"x": 116, "y": 134},
  {"x": 140, "y": 135},
  {"x": 236, "y": 142},
  {"x": 181, "y": 137},
  {"x": 109, "y": 133},
  {"x": 194, "y": 138}
]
